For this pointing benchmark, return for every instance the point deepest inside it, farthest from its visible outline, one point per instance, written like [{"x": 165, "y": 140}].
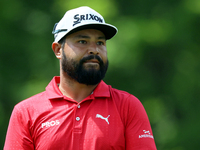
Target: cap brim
[{"x": 108, "y": 30}]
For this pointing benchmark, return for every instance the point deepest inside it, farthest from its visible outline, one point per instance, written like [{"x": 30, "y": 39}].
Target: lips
[{"x": 92, "y": 61}]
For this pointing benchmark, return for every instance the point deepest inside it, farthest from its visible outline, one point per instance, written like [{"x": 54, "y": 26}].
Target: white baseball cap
[{"x": 82, "y": 18}]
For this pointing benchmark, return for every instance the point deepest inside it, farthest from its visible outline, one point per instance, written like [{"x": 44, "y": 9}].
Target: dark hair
[{"x": 62, "y": 41}]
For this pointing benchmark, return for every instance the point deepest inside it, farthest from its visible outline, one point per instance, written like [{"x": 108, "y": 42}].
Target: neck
[{"x": 74, "y": 90}]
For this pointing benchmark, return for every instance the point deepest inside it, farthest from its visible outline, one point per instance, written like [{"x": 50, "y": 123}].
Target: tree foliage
[{"x": 154, "y": 56}]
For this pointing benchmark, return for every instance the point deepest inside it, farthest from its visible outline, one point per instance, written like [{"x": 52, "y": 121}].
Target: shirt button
[
  {"x": 77, "y": 118},
  {"x": 79, "y": 106}
]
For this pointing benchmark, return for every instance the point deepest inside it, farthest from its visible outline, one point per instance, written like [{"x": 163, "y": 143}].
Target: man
[{"x": 78, "y": 111}]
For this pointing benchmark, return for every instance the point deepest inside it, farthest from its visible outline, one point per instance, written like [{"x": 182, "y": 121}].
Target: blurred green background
[{"x": 155, "y": 56}]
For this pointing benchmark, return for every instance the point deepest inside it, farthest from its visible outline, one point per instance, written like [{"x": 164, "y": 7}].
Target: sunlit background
[{"x": 155, "y": 56}]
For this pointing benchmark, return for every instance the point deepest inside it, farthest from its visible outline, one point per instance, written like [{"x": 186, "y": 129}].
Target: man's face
[{"x": 84, "y": 56}]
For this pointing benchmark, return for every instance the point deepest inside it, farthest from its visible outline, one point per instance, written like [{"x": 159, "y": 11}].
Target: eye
[
  {"x": 82, "y": 42},
  {"x": 100, "y": 43}
]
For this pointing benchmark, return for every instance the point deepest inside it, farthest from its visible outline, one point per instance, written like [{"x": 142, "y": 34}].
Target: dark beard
[{"x": 77, "y": 71}]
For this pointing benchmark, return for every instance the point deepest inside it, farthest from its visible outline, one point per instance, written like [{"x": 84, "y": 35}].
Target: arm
[
  {"x": 18, "y": 135},
  {"x": 138, "y": 133}
]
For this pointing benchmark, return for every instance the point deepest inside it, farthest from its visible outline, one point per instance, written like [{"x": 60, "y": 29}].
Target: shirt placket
[
  {"x": 77, "y": 130},
  {"x": 78, "y": 119}
]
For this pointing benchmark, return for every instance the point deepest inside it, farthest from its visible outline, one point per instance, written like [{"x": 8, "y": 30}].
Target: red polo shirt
[{"x": 107, "y": 119}]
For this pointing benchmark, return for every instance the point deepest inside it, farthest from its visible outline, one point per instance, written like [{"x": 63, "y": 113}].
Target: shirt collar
[
  {"x": 53, "y": 91},
  {"x": 102, "y": 90}
]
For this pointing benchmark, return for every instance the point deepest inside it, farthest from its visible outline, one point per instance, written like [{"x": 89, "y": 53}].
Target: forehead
[{"x": 87, "y": 32}]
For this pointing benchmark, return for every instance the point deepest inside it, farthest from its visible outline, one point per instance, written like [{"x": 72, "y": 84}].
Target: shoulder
[
  {"x": 31, "y": 103},
  {"x": 126, "y": 102},
  {"x": 129, "y": 107},
  {"x": 33, "y": 99},
  {"x": 123, "y": 96}
]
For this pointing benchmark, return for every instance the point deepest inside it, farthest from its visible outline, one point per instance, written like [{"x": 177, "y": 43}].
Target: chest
[{"x": 88, "y": 125}]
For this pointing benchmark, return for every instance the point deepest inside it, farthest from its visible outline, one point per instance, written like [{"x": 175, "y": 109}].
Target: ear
[{"x": 56, "y": 47}]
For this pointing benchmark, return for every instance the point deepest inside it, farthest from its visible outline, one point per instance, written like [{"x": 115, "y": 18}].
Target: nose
[{"x": 93, "y": 49}]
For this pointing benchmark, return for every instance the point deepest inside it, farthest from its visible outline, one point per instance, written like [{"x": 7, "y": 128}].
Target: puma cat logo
[{"x": 101, "y": 117}]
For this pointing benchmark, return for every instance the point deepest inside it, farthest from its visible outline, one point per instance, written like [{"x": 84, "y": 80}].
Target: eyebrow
[{"x": 88, "y": 37}]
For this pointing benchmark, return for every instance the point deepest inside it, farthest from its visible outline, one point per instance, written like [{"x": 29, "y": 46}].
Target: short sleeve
[
  {"x": 138, "y": 133},
  {"x": 18, "y": 136}
]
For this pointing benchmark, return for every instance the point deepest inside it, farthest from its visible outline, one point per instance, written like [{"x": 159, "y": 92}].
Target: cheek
[
  {"x": 104, "y": 55},
  {"x": 73, "y": 51},
  {"x": 73, "y": 54}
]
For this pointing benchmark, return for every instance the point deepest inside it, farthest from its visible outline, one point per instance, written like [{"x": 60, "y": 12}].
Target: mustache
[{"x": 91, "y": 57}]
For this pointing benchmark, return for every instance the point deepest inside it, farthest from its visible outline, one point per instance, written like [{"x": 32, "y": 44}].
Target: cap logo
[{"x": 78, "y": 18}]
